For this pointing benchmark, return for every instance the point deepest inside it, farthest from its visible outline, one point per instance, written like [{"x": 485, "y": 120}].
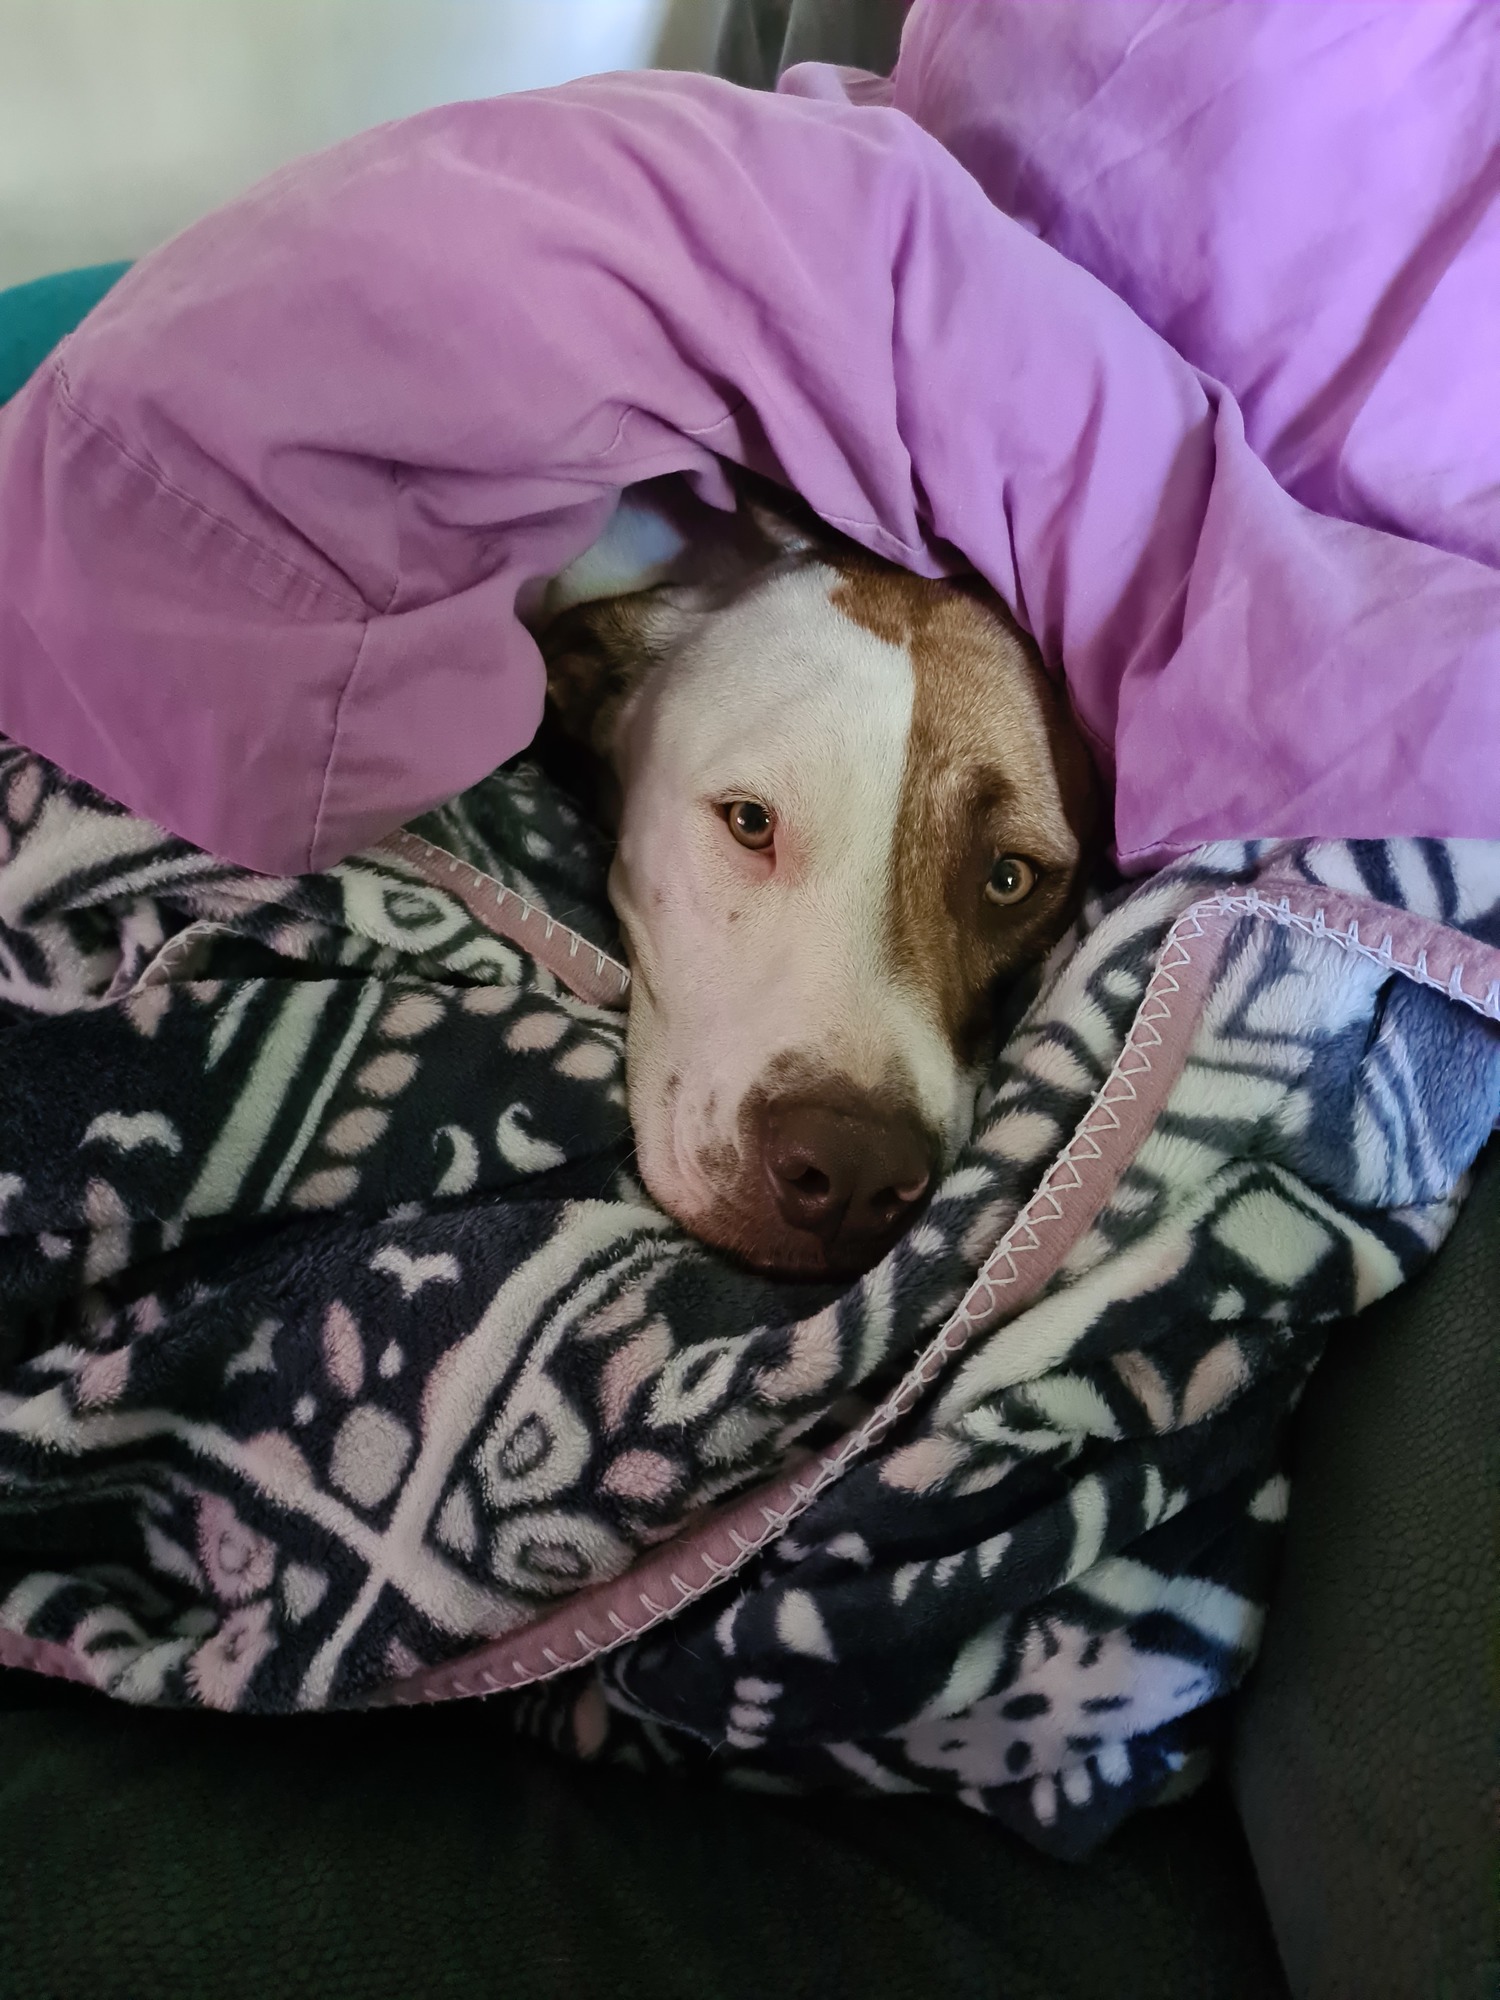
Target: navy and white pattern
[{"x": 337, "y": 1337}]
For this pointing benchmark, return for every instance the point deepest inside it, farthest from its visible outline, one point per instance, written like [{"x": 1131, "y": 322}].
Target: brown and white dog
[{"x": 849, "y": 800}]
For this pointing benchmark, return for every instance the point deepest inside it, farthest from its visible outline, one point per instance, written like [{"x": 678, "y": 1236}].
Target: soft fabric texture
[
  {"x": 339, "y": 1340},
  {"x": 264, "y": 521},
  {"x": 1027, "y": 1574},
  {"x": 1303, "y": 199}
]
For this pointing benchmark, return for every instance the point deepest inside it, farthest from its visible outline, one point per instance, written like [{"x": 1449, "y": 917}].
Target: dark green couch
[{"x": 411, "y": 1856}]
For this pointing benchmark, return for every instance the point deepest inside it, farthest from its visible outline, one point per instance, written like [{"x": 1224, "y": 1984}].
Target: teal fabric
[{"x": 35, "y": 317}]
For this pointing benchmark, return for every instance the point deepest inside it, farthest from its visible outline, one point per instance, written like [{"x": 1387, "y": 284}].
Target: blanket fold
[{"x": 266, "y": 520}]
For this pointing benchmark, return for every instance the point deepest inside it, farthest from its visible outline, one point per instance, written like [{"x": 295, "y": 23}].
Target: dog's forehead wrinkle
[
  {"x": 789, "y": 700},
  {"x": 786, "y": 637}
]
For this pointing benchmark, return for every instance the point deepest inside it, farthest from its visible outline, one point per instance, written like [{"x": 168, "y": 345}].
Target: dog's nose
[{"x": 851, "y": 1179}]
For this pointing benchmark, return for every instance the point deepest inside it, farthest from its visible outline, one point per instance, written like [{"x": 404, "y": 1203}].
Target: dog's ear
[
  {"x": 783, "y": 524},
  {"x": 596, "y": 657},
  {"x": 782, "y": 534}
]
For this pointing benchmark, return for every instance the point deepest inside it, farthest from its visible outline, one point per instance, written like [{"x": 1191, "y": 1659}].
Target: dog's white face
[{"x": 847, "y": 803}]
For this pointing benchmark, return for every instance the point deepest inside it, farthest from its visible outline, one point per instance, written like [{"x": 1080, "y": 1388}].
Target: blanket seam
[
  {"x": 321, "y": 813},
  {"x": 444, "y": 1682},
  {"x": 159, "y": 479},
  {"x": 968, "y": 1318}
]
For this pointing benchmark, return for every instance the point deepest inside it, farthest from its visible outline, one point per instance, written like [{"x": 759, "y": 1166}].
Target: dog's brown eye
[
  {"x": 750, "y": 822},
  {"x": 1012, "y": 880}
]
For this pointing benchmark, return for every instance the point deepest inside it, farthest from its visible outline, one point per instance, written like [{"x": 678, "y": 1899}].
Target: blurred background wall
[{"x": 122, "y": 120}]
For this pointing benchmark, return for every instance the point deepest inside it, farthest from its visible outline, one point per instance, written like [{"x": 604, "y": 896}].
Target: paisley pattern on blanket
[{"x": 338, "y": 1341}]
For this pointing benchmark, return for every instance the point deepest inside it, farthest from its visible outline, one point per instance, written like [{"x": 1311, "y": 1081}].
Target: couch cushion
[
  {"x": 1366, "y": 1765},
  {"x": 431, "y": 1853}
]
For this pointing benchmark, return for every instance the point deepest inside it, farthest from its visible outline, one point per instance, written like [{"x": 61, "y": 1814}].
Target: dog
[{"x": 848, "y": 801}]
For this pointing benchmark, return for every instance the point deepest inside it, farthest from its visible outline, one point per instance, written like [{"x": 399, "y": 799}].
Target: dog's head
[{"x": 848, "y": 801}]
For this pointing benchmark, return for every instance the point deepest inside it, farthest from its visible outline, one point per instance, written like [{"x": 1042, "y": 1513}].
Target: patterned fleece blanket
[{"x": 343, "y": 1360}]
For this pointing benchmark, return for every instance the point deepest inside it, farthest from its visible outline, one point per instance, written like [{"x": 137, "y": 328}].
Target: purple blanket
[{"x": 265, "y": 520}]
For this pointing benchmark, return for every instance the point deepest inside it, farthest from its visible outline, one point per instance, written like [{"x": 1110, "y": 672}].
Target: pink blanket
[{"x": 265, "y": 519}]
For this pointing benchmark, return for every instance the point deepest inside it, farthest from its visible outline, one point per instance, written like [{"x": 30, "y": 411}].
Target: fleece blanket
[
  {"x": 266, "y": 520},
  {"x": 342, "y": 1360}
]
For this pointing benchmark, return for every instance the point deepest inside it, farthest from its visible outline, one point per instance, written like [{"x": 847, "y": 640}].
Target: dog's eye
[
  {"x": 1012, "y": 880},
  {"x": 750, "y": 822}
]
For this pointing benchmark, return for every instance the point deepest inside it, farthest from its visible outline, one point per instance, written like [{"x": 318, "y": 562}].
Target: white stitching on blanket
[
  {"x": 158, "y": 971},
  {"x": 982, "y": 1303},
  {"x": 978, "y": 1308},
  {"x": 427, "y": 859},
  {"x": 1251, "y": 902}
]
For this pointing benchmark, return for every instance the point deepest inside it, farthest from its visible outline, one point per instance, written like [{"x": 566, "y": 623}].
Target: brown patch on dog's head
[
  {"x": 597, "y": 652},
  {"x": 994, "y": 768}
]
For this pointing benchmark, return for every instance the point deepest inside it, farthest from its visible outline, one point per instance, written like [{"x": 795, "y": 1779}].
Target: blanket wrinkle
[{"x": 1357, "y": 356}]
